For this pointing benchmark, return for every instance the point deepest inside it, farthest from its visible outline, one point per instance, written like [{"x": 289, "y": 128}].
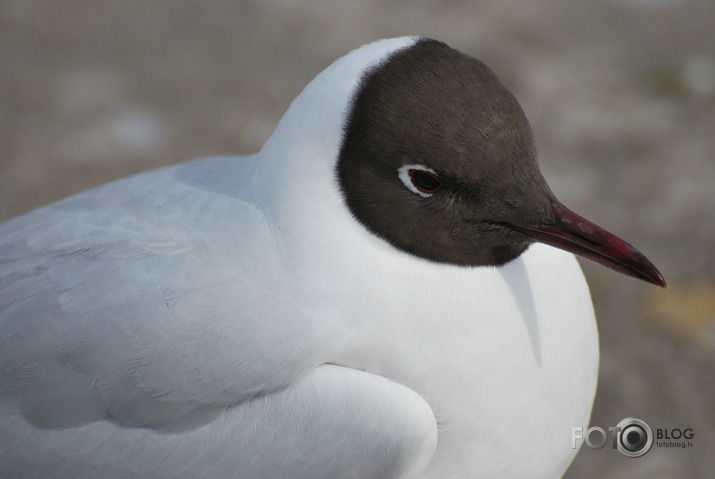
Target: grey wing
[
  {"x": 135, "y": 330},
  {"x": 139, "y": 307}
]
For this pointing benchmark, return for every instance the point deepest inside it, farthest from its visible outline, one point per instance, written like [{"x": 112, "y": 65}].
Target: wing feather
[{"x": 126, "y": 302}]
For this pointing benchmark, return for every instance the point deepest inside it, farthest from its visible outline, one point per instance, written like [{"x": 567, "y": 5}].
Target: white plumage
[{"x": 229, "y": 317}]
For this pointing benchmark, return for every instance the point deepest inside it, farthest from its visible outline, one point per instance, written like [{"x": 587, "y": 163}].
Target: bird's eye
[
  {"x": 425, "y": 181},
  {"x": 420, "y": 179}
]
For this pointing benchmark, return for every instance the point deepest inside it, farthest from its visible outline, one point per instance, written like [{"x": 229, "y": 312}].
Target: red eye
[{"x": 425, "y": 181}]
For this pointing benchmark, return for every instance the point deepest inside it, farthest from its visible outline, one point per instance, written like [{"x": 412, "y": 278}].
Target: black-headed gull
[{"x": 361, "y": 299}]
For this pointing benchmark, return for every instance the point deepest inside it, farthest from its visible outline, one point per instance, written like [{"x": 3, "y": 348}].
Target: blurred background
[{"x": 620, "y": 93}]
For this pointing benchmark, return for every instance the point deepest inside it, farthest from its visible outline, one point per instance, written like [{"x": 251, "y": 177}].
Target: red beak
[{"x": 577, "y": 235}]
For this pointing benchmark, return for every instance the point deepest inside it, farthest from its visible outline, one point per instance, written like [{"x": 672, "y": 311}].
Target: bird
[{"x": 387, "y": 289}]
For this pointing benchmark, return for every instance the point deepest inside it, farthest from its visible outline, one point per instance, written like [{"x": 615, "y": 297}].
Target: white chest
[{"x": 506, "y": 357}]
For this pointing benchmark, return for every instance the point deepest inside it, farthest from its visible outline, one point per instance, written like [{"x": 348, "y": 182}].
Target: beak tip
[
  {"x": 660, "y": 281},
  {"x": 643, "y": 268}
]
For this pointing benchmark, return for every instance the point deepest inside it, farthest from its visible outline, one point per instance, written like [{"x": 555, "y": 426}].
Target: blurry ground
[{"x": 621, "y": 95}]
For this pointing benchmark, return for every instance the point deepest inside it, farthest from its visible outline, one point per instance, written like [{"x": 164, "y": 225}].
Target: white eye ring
[{"x": 404, "y": 172}]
